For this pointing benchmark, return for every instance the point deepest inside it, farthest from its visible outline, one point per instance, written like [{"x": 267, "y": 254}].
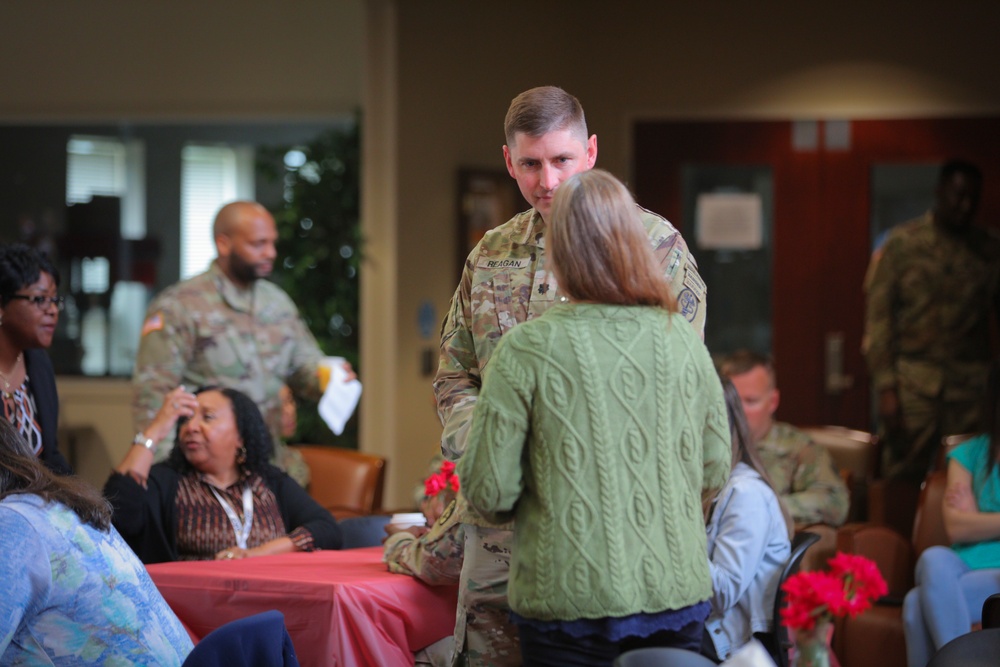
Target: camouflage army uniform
[
  {"x": 804, "y": 476},
  {"x": 206, "y": 330},
  {"x": 506, "y": 281},
  {"x": 927, "y": 335},
  {"x": 434, "y": 558}
]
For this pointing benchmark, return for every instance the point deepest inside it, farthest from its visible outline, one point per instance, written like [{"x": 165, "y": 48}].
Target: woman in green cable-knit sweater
[{"x": 600, "y": 427}]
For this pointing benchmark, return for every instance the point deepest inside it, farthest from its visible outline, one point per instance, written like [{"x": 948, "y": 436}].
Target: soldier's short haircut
[
  {"x": 599, "y": 248},
  {"x": 229, "y": 216},
  {"x": 542, "y": 110},
  {"x": 744, "y": 360},
  {"x": 964, "y": 167}
]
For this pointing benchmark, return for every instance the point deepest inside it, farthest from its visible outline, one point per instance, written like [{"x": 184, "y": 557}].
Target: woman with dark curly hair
[
  {"x": 73, "y": 591},
  {"x": 216, "y": 496},
  {"x": 29, "y": 312}
]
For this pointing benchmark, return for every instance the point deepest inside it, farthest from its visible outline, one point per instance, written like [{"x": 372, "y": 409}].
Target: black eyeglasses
[{"x": 42, "y": 302}]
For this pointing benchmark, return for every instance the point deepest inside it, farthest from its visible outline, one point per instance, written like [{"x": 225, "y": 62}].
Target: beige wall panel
[{"x": 117, "y": 60}]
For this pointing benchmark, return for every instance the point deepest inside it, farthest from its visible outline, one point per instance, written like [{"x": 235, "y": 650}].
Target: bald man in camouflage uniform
[
  {"x": 931, "y": 297},
  {"x": 229, "y": 327},
  {"x": 507, "y": 280}
]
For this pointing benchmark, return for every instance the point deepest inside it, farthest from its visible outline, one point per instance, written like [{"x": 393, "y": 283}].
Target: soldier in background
[
  {"x": 229, "y": 327},
  {"x": 930, "y": 300},
  {"x": 802, "y": 471},
  {"x": 927, "y": 324},
  {"x": 506, "y": 280}
]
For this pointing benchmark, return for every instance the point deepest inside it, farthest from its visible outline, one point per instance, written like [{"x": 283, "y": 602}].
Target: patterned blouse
[
  {"x": 204, "y": 528},
  {"x": 19, "y": 409},
  {"x": 74, "y": 595}
]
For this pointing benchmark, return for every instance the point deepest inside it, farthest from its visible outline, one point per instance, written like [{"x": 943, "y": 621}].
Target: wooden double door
[{"x": 827, "y": 191}]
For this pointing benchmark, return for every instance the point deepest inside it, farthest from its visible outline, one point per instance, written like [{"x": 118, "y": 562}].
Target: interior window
[{"x": 210, "y": 177}]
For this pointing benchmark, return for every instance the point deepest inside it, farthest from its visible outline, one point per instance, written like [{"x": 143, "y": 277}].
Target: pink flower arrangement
[
  {"x": 848, "y": 588},
  {"x": 444, "y": 479}
]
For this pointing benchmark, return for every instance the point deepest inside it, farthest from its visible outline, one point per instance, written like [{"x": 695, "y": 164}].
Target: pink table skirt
[{"x": 342, "y": 608}]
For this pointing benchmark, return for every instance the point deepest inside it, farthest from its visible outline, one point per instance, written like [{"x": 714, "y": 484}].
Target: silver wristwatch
[{"x": 141, "y": 439}]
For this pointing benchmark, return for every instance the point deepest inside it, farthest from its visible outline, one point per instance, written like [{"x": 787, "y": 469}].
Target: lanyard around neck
[{"x": 240, "y": 528}]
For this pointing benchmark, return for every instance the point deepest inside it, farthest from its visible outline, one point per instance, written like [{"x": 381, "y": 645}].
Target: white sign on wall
[{"x": 729, "y": 221}]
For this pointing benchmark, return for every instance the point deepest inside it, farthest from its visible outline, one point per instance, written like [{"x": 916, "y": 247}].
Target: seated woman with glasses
[
  {"x": 216, "y": 496},
  {"x": 29, "y": 312}
]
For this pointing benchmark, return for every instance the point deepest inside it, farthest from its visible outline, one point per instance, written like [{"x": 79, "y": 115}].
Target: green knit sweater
[{"x": 598, "y": 427}]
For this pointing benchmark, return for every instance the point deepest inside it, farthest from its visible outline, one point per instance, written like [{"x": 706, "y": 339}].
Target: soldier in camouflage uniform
[
  {"x": 931, "y": 296},
  {"x": 506, "y": 280},
  {"x": 801, "y": 471},
  {"x": 229, "y": 327}
]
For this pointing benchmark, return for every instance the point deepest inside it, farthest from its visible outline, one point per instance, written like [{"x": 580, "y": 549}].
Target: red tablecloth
[{"x": 341, "y": 608}]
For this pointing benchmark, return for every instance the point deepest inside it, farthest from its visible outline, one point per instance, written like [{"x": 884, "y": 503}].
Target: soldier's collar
[{"x": 533, "y": 231}]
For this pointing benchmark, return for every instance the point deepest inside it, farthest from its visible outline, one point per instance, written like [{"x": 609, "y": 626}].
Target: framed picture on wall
[{"x": 486, "y": 198}]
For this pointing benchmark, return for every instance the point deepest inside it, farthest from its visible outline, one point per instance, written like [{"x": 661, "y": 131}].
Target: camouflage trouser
[
  {"x": 913, "y": 451},
  {"x": 484, "y": 635}
]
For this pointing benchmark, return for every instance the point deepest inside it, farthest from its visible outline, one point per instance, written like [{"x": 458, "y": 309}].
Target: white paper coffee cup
[{"x": 408, "y": 519}]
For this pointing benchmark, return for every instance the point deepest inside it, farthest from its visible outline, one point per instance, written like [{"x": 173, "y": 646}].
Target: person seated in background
[
  {"x": 953, "y": 582},
  {"x": 216, "y": 496},
  {"x": 801, "y": 471},
  {"x": 29, "y": 313},
  {"x": 73, "y": 591},
  {"x": 749, "y": 535}
]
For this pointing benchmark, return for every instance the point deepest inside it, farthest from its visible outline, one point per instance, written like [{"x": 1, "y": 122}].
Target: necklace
[{"x": 3, "y": 376}]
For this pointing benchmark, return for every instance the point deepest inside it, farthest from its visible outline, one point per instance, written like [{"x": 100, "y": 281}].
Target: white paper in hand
[{"x": 340, "y": 398}]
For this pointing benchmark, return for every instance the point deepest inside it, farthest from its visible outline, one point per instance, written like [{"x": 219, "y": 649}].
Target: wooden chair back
[
  {"x": 344, "y": 481},
  {"x": 887, "y": 548},
  {"x": 928, "y": 525}
]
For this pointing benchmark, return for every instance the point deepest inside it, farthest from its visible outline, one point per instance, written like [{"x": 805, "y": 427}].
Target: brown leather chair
[
  {"x": 823, "y": 550},
  {"x": 855, "y": 454},
  {"x": 875, "y": 638},
  {"x": 893, "y": 502},
  {"x": 344, "y": 481}
]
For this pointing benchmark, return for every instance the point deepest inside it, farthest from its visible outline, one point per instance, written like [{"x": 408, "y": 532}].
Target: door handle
[{"x": 836, "y": 381}]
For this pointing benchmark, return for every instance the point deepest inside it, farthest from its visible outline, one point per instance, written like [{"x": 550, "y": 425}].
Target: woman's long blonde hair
[{"x": 599, "y": 248}]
